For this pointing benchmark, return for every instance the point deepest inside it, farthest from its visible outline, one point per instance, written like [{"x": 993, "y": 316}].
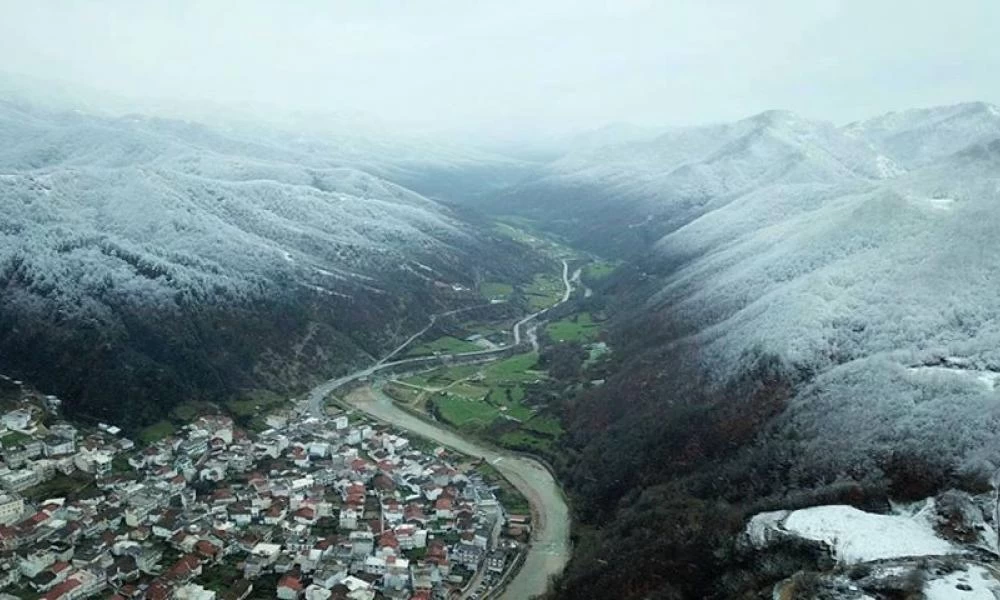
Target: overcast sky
[{"x": 520, "y": 63}]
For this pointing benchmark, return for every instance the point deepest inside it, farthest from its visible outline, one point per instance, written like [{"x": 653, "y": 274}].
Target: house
[
  {"x": 397, "y": 573},
  {"x": 193, "y": 591},
  {"x": 409, "y": 537},
  {"x": 148, "y": 559},
  {"x": 316, "y": 592},
  {"x": 468, "y": 555},
  {"x": 20, "y": 479},
  {"x": 330, "y": 575},
  {"x": 305, "y": 515},
  {"x": 496, "y": 561},
  {"x": 16, "y": 419},
  {"x": 125, "y": 568},
  {"x": 348, "y": 518},
  {"x": 362, "y": 543},
  {"x": 268, "y": 553},
  {"x": 58, "y": 446},
  {"x": 36, "y": 560},
  {"x": 208, "y": 551},
  {"x": 95, "y": 462},
  {"x": 443, "y": 507},
  {"x": 290, "y": 587},
  {"x": 11, "y": 508},
  {"x": 67, "y": 590},
  {"x": 421, "y": 579},
  {"x": 185, "y": 569}
]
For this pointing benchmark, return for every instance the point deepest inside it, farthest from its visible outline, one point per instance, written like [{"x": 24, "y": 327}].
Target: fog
[{"x": 516, "y": 65}]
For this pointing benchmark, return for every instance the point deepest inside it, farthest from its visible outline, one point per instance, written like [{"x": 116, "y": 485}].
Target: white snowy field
[
  {"x": 972, "y": 583},
  {"x": 853, "y": 535}
]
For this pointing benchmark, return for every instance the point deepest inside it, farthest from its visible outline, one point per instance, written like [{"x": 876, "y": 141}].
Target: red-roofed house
[
  {"x": 305, "y": 515},
  {"x": 208, "y": 550},
  {"x": 64, "y": 591}
]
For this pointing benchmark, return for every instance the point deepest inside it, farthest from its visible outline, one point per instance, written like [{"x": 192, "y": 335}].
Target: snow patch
[
  {"x": 974, "y": 583},
  {"x": 988, "y": 379},
  {"x": 887, "y": 168},
  {"x": 939, "y": 203},
  {"x": 853, "y": 535}
]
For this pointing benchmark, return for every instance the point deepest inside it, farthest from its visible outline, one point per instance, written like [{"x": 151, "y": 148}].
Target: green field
[
  {"x": 465, "y": 412},
  {"x": 14, "y": 438},
  {"x": 444, "y": 345},
  {"x": 185, "y": 412},
  {"x": 252, "y": 407},
  {"x": 156, "y": 432},
  {"x": 578, "y": 327},
  {"x": 544, "y": 426},
  {"x": 473, "y": 396},
  {"x": 61, "y": 486},
  {"x": 598, "y": 270},
  {"x": 525, "y": 442},
  {"x": 495, "y": 290},
  {"x": 443, "y": 376},
  {"x": 517, "y": 368},
  {"x": 521, "y": 230},
  {"x": 545, "y": 291}
]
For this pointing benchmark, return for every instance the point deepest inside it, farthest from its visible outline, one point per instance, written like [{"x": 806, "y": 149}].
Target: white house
[
  {"x": 11, "y": 507},
  {"x": 16, "y": 419}
]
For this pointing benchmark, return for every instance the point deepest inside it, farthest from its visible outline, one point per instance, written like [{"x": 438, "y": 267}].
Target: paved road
[
  {"x": 319, "y": 393},
  {"x": 550, "y": 549},
  {"x": 430, "y": 324}
]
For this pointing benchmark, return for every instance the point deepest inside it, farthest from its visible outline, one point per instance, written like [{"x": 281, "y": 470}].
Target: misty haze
[{"x": 451, "y": 300}]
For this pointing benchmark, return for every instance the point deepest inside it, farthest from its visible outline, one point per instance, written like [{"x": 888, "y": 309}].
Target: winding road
[{"x": 549, "y": 550}]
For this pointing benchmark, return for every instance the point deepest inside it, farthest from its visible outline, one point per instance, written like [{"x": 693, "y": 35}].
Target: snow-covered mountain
[
  {"x": 919, "y": 136},
  {"x": 107, "y": 222},
  {"x": 662, "y": 183},
  {"x": 856, "y": 256}
]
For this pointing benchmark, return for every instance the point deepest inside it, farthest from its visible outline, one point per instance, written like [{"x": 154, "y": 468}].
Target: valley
[{"x": 711, "y": 354}]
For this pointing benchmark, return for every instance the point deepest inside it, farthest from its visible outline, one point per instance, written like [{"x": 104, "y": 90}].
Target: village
[{"x": 315, "y": 507}]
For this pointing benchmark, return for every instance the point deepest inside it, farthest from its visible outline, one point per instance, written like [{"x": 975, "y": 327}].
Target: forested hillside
[
  {"x": 144, "y": 262},
  {"x": 807, "y": 315}
]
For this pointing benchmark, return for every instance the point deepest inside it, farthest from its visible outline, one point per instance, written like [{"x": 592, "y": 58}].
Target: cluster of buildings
[{"x": 313, "y": 508}]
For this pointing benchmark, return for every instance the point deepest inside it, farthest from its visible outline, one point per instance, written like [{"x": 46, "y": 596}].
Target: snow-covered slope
[
  {"x": 110, "y": 225},
  {"x": 849, "y": 284},
  {"x": 201, "y": 206},
  {"x": 848, "y": 254},
  {"x": 663, "y": 183},
  {"x": 920, "y": 136}
]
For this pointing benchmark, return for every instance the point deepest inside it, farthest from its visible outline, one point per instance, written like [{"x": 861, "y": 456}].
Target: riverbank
[{"x": 550, "y": 548}]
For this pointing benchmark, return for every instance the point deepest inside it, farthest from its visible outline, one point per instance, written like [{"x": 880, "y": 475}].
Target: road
[
  {"x": 549, "y": 550},
  {"x": 430, "y": 324},
  {"x": 321, "y": 391}
]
